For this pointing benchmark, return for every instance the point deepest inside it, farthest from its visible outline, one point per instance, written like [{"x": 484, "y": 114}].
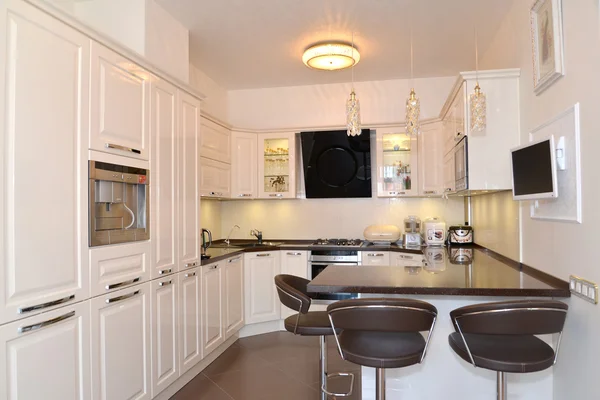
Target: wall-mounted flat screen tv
[{"x": 534, "y": 173}]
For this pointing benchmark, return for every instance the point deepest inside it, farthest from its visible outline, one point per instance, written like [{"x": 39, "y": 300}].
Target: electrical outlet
[{"x": 584, "y": 289}]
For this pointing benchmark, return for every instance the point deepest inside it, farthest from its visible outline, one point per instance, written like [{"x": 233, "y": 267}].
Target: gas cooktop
[{"x": 337, "y": 242}]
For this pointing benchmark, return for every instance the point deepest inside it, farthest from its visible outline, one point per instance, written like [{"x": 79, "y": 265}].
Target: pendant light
[
  {"x": 413, "y": 104},
  {"x": 353, "y": 107},
  {"x": 477, "y": 100}
]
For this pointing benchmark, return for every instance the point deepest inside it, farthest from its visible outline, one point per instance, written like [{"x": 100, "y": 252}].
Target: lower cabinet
[
  {"x": 213, "y": 334},
  {"x": 262, "y": 302},
  {"x": 190, "y": 332},
  {"x": 293, "y": 262},
  {"x": 233, "y": 307},
  {"x": 375, "y": 257},
  {"x": 120, "y": 324},
  {"x": 47, "y": 354}
]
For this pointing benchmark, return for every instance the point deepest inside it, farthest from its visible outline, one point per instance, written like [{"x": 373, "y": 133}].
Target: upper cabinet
[
  {"x": 215, "y": 142},
  {"x": 396, "y": 163},
  {"x": 244, "y": 165},
  {"x": 215, "y": 178},
  {"x": 431, "y": 160},
  {"x": 120, "y": 101},
  {"x": 276, "y": 165}
]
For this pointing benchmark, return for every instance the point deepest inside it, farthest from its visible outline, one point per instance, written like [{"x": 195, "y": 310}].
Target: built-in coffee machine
[{"x": 119, "y": 208}]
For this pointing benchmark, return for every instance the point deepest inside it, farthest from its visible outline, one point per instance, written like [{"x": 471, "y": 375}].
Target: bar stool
[
  {"x": 501, "y": 336},
  {"x": 382, "y": 333},
  {"x": 293, "y": 294}
]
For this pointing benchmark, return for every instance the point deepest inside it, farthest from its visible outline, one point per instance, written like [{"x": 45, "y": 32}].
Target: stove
[{"x": 338, "y": 242}]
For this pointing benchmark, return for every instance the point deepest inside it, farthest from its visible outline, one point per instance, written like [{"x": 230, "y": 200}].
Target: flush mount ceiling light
[{"x": 331, "y": 56}]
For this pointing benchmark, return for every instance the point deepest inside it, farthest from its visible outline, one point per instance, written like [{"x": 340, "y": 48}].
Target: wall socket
[{"x": 585, "y": 289}]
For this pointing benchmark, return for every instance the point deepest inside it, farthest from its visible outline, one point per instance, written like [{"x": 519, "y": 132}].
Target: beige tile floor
[{"x": 273, "y": 366}]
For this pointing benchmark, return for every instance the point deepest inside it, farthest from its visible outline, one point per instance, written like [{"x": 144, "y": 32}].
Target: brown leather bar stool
[
  {"x": 501, "y": 336},
  {"x": 293, "y": 294},
  {"x": 382, "y": 333}
]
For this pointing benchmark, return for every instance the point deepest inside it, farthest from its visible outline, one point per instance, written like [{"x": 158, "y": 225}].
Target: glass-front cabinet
[
  {"x": 276, "y": 165},
  {"x": 396, "y": 163}
]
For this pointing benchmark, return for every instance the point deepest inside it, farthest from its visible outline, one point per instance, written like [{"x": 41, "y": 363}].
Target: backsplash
[{"x": 210, "y": 217}]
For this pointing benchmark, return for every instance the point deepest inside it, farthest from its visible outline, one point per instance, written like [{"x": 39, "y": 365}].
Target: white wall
[
  {"x": 210, "y": 217},
  {"x": 215, "y": 104},
  {"x": 563, "y": 248}
]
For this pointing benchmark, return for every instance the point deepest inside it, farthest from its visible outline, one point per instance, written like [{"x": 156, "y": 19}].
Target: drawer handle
[
  {"x": 189, "y": 275},
  {"x": 44, "y": 324},
  {"x": 121, "y": 284},
  {"x": 189, "y": 265},
  {"x": 234, "y": 259},
  {"x": 245, "y": 195},
  {"x": 294, "y": 254},
  {"x": 396, "y": 193},
  {"x": 45, "y": 305},
  {"x": 165, "y": 283},
  {"x": 375, "y": 255},
  {"x": 263, "y": 255},
  {"x": 214, "y": 266},
  {"x": 216, "y": 193},
  {"x": 121, "y": 298},
  {"x": 118, "y": 147},
  {"x": 165, "y": 271},
  {"x": 406, "y": 257},
  {"x": 429, "y": 192},
  {"x": 275, "y": 195}
]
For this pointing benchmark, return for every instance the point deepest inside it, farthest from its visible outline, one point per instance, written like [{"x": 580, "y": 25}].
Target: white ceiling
[{"x": 245, "y": 44}]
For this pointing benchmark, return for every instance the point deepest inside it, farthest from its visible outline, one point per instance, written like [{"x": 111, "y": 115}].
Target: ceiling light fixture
[
  {"x": 477, "y": 99},
  {"x": 353, "y": 108},
  {"x": 331, "y": 56},
  {"x": 413, "y": 104}
]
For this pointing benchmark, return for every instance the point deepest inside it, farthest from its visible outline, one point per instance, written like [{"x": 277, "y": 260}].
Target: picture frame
[{"x": 547, "y": 43}]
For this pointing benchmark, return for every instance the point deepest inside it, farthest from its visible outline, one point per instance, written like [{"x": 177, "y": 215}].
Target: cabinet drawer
[{"x": 116, "y": 267}]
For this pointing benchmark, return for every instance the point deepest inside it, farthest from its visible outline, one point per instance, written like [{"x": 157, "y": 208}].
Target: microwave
[{"x": 461, "y": 165}]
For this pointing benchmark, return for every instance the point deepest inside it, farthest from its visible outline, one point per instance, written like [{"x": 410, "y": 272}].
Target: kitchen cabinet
[
  {"x": 293, "y": 262},
  {"x": 449, "y": 177},
  {"x": 215, "y": 178},
  {"x": 261, "y": 299},
  {"x": 213, "y": 334},
  {"x": 190, "y": 314},
  {"x": 233, "y": 294},
  {"x": 44, "y": 74},
  {"x": 375, "y": 257},
  {"x": 397, "y": 167},
  {"x": 165, "y": 333},
  {"x": 431, "y": 160},
  {"x": 121, "y": 344},
  {"x": 119, "y": 104},
  {"x": 277, "y": 165},
  {"x": 47, "y": 354},
  {"x": 454, "y": 119},
  {"x": 244, "y": 165},
  {"x": 406, "y": 260},
  {"x": 215, "y": 142}
]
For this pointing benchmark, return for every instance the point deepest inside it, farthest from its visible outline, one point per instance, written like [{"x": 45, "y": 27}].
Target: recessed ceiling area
[{"x": 245, "y": 44}]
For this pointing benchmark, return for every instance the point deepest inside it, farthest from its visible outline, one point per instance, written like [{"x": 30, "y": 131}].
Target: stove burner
[{"x": 338, "y": 242}]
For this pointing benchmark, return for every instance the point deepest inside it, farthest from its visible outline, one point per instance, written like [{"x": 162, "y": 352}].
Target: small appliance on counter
[
  {"x": 205, "y": 244},
  {"x": 435, "y": 258},
  {"x": 382, "y": 234},
  {"x": 412, "y": 229},
  {"x": 434, "y": 232},
  {"x": 460, "y": 255},
  {"x": 460, "y": 234}
]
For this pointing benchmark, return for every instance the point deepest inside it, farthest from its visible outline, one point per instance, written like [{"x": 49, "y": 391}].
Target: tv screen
[{"x": 534, "y": 170}]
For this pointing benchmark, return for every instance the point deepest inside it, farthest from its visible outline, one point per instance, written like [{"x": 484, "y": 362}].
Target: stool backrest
[
  {"x": 522, "y": 317},
  {"x": 292, "y": 292}
]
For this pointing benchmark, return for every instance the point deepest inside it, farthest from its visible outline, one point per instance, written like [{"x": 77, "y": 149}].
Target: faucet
[
  {"x": 230, "y": 232},
  {"x": 258, "y": 234}
]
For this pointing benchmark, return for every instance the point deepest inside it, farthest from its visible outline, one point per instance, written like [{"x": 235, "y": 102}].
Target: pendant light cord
[
  {"x": 412, "y": 63},
  {"x": 353, "y": 62},
  {"x": 476, "y": 58}
]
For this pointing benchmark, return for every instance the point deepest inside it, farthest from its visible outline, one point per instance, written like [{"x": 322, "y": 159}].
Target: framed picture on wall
[{"x": 547, "y": 41}]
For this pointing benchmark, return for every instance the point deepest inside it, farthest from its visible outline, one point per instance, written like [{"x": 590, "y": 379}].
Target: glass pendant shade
[
  {"x": 353, "y": 115},
  {"x": 478, "y": 110},
  {"x": 413, "y": 112}
]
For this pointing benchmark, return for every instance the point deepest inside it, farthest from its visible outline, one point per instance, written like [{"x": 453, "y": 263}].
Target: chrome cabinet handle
[
  {"x": 275, "y": 195},
  {"x": 120, "y": 284},
  {"x": 214, "y": 266},
  {"x": 165, "y": 283},
  {"x": 263, "y": 255},
  {"x": 45, "y": 305},
  {"x": 375, "y": 255},
  {"x": 294, "y": 254},
  {"x": 124, "y": 297},
  {"x": 448, "y": 189},
  {"x": 396, "y": 193},
  {"x": 165, "y": 271},
  {"x": 429, "y": 191},
  {"x": 189, "y": 275},
  {"x": 44, "y": 324},
  {"x": 245, "y": 195},
  {"x": 216, "y": 193},
  {"x": 119, "y": 147},
  {"x": 234, "y": 259},
  {"x": 406, "y": 257},
  {"x": 189, "y": 265}
]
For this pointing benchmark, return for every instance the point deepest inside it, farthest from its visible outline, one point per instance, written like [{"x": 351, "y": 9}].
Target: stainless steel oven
[
  {"x": 461, "y": 165},
  {"x": 321, "y": 259}
]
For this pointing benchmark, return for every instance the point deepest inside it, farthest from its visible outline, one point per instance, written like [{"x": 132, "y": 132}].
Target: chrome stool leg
[
  {"x": 501, "y": 393},
  {"x": 323, "y": 366},
  {"x": 380, "y": 384}
]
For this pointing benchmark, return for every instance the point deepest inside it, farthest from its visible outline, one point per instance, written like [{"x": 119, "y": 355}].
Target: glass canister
[{"x": 412, "y": 224}]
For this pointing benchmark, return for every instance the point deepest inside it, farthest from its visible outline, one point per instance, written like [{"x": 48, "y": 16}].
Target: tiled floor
[{"x": 273, "y": 366}]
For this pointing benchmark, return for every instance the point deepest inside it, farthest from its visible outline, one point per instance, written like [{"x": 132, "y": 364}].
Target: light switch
[{"x": 584, "y": 289}]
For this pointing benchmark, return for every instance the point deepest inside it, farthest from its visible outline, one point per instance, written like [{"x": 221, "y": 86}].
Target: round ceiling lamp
[{"x": 331, "y": 56}]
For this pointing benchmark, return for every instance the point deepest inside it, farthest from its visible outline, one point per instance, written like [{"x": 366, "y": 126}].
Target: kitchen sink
[{"x": 245, "y": 245}]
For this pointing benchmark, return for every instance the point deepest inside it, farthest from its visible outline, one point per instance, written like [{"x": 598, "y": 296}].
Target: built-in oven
[
  {"x": 461, "y": 165},
  {"x": 321, "y": 259}
]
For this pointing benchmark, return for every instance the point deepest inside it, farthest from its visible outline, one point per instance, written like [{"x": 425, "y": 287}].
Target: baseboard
[{"x": 263, "y": 327}]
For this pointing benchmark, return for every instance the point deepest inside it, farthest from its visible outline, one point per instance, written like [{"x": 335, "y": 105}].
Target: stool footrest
[{"x": 336, "y": 374}]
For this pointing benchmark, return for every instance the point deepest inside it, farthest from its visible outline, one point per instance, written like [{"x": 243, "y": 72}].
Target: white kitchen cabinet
[
  {"x": 431, "y": 160},
  {"x": 47, "y": 356},
  {"x": 277, "y": 165},
  {"x": 190, "y": 314},
  {"x": 244, "y": 165},
  {"x": 215, "y": 142},
  {"x": 163, "y": 168},
  {"x": 213, "y": 334},
  {"x": 233, "y": 295},
  {"x": 165, "y": 333},
  {"x": 375, "y": 257},
  {"x": 406, "y": 260},
  {"x": 215, "y": 178},
  {"x": 293, "y": 262},
  {"x": 44, "y": 78},
  {"x": 449, "y": 177},
  {"x": 119, "y": 104},
  {"x": 121, "y": 344},
  {"x": 262, "y": 302},
  {"x": 397, "y": 163}
]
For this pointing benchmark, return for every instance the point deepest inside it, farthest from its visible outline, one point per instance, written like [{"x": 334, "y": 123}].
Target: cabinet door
[
  {"x": 215, "y": 142},
  {"x": 163, "y": 165},
  {"x": 460, "y": 114},
  {"x": 189, "y": 181},
  {"x": 44, "y": 70},
  {"x": 47, "y": 354},
  {"x": 190, "y": 345},
  {"x": 233, "y": 295},
  {"x": 293, "y": 263},
  {"x": 121, "y": 345},
  {"x": 120, "y": 94},
  {"x": 406, "y": 260},
  {"x": 262, "y": 302},
  {"x": 277, "y": 165},
  {"x": 165, "y": 333},
  {"x": 449, "y": 180},
  {"x": 244, "y": 165},
  {"x": 396, "y": 163},
  {"x": 212, "y": 308},
  {"x": 431, "y": 160},
  {"x": 375, "y": 258},
  {"x": 215, "y": 178}
]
